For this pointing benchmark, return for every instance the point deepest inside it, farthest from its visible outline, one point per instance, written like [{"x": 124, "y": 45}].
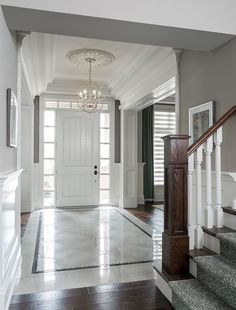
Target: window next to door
[
  {"x": 49, "y": 158},
  {"x": 104, "y": 157}
]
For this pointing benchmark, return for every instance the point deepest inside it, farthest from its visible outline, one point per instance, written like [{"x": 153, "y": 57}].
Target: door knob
[{"x": 95, "y": 172}]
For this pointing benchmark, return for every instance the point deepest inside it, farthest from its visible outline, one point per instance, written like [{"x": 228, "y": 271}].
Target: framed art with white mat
[{"x": 201, "y": 118}]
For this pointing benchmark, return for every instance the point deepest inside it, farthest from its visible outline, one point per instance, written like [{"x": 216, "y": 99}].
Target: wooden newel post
[{"x": 175, "y": 240}]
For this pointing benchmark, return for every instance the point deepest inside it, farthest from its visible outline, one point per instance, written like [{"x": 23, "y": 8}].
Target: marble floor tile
[{"x": 82, "y": 247}]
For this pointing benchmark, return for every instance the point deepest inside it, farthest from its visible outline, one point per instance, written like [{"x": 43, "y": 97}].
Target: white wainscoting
[
  {"x": 10, "y": 254},
  {"x": 115, "y": 184}
]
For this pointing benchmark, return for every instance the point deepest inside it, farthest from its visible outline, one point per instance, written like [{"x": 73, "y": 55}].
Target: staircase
[
  {"x": 215, "y": 284},
  {"x": 199, "y": 232},
  {"x": 211, "y": 281}
]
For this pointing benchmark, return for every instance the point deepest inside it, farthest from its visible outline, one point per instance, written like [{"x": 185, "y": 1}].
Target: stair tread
[
  {"x": 219, "y": 267},
  {"x": 215, "y": 231},
  {"x": 200, "y": 252},
  {"x": 229, "y": 210},
  {"x": 197, "y": 296}
]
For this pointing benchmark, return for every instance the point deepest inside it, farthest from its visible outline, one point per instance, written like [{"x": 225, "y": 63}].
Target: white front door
[{"x": 77, "y": 158}]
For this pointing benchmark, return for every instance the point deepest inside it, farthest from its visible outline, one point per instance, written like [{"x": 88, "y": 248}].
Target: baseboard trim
[
  {"x": 141, "y": 200},
  {"x": 26, "y": 206}
]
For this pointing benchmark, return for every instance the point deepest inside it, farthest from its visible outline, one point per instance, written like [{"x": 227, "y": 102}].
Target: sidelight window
[
  {"x": 104, "y": 158},
  {"x": 49, "y": 158}
]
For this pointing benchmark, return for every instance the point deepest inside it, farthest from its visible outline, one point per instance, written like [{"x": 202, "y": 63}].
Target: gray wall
[
  {"x": 8, "y": 79},
  {"x": 211, "y": 76}
]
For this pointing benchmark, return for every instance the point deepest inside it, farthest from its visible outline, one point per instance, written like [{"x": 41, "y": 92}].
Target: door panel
[{"x": 77, "y": 154}]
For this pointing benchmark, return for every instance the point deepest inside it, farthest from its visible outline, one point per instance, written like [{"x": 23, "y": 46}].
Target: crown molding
[
  {"x": 70, "y": 87},
  {"x": 70, "y": 97},
  {"x": 161, "y": 92}
]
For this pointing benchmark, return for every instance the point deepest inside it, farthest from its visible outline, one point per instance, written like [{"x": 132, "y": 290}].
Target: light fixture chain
[{"x": 90, "y": 74}]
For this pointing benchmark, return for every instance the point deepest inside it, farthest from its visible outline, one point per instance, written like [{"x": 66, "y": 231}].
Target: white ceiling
[
  {"x": 124, "y": 54},
  {"x": 136, "y": 70}
]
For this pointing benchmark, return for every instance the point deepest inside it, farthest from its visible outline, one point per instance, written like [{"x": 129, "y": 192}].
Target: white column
[
  {"x": 178, "y": 53},
  {"x": 218, "y": 209},
  {"x": 191, "y": 224},
  {"x": 208, "y": 212},
  {"x": 128, "y": 173},
  {"x": 198, "y": 230}
]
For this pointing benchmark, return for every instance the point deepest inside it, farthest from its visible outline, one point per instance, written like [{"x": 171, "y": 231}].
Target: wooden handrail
[{"x": 211, "y": 130}]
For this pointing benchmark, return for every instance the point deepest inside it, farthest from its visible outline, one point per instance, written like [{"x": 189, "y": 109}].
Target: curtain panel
[{"x": 147, "y": 153}]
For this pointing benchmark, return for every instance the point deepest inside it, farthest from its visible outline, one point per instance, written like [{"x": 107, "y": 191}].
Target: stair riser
[
  {"x": 192, "y": 268},
  {"x": 215, "y": 284},
  {"x": 212, "y": 243},
  {"x": 228, "y": 251},
  {"x": 230, "y": 220}
]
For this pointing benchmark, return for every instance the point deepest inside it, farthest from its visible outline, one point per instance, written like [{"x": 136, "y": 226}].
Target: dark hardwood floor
[
  {"x": 24, "y": 221},
  {"x": 25, "y": 218},
  {"x": 143, "y": 295},
  {"x": 153, "y": 216}
]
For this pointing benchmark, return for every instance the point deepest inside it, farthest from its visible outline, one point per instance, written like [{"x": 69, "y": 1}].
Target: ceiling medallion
[
  {"x": 78, "y": 57},
  {"x": 90, "y": 99}
]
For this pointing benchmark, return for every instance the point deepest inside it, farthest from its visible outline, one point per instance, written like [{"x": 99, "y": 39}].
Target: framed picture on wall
[
  {"x": 12, "y": 118},
  {"x": 201, "y": 118}
]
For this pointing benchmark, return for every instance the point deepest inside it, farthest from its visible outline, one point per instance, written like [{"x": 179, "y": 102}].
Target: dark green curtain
[{"x": 147, "y": 153}]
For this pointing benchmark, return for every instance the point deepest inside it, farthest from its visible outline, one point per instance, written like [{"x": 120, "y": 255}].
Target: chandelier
[{"x": 90, "y": 97}]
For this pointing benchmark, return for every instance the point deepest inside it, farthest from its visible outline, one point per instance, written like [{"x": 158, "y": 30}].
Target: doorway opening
[{"x": 58, "y": 180}]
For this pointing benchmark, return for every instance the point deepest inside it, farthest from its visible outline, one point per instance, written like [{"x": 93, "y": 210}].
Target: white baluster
[
  {"x": 191, "y": 223},
  {"x": 208, "y": 207},
  {"x": 198, "y": 230},
  {"x": 218, "y": 209}
]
